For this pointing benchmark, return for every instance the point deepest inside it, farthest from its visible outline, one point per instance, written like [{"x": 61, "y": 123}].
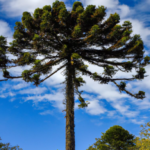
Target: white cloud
[
  {"x": 17, "y": 71},
  {"x": 3, "y": 96},
  {"x": 5, "y": 31},
  {"x": 143, "y": 6},
  {"x": 4, "y": 87},
  {"x": 106, "y": 3},
  {"x": 94, "y": 108},
  {"x": 20, "y": 85},
  {"x": 124, "y": 10},
  {"x": 57, "y": 78},
  {"x": 55, "y": 98},
  {"x": 13, "y": 99},
  {"x": 97, "y": 123},
  {"x": 36, "y": 90},
  {"x": 11, "y": 94},
  {"x": 144, "y": 117},
  {"x": 111, "y": 113},
  {"x": 17, "y": 7},
  {"x": 47, "y": 112},
  {"x": 5, "y": 90},
  {"x": 137, "y": 122}
]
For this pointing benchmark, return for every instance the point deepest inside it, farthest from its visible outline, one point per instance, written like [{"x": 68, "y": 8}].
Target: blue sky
[{"x": 32, "y": 117}]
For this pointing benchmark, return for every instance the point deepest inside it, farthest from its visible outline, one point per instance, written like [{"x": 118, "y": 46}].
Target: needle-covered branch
[
  {"x": 127, "y": 65},
  {"x": 53, "y": 73},
  {"x": 140, "y": 95},
  {"x": 4, "y": 80},
  {"x": 105, "y": 80},
  {"x": 37, "y": 68}
]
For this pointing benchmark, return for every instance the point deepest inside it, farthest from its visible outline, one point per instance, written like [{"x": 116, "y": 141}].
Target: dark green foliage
[
  {"x": 140, "y": 94},
  {"x": 5, "y": 73},
  {"x": 109, "y": 70},
  {"x": 115, "y": 138},
  {"x": 83, "y": 104},
  {"x": 76, "y": 5},
  {"x": 26, "y": 75},
  {"x": 147, "y": 59},
  {"x": 128, "y": 66},
  {"x": 25, "y": 59},
  {"x": 7, "y": 146},
  {"x": 122, "y": 86},
  {"x": 47, "y": 8},
  {"x": 79, "y": 81},
  {"x": 90, "y": 9},
  {"x": 140, "y": 74},
  {"x": 3, "y": 58},
  {"x": 36, "y": 79}
]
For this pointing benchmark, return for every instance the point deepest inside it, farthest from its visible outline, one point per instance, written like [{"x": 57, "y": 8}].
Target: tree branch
[
  {"x": 104, "y": 61},
  {"x": 101, "y": 78},
  {"x": 4, "y": 80},
  {"x": 111, "y": 80},
  {"x": 106, "y": 53},
  {"x": 127, "y": 91},
  {"x": 53, "y": 73}
]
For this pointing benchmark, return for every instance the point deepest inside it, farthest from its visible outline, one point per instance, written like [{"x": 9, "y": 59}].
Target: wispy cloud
[
  {"x": 36, "y": 90},
  {"x": 13, "y": 99},
  {"x": 20, "y": 85},
  {"x": 106, "y": 3},
  {"x": 17, "y": 7},
  {"x": 11, "y": 94},
  {"x": 138, "y": 122},
  {"x": 47, "y": 112}
]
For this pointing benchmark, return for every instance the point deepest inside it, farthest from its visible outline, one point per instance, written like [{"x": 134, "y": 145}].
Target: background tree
[
  {"x": 69, "y": 34},
  {"x": 115, "y": 138},
  {"x": 143, "y": 143},
  {"x": 7, "y": 146},
  {"x": 136, "y": 144}
]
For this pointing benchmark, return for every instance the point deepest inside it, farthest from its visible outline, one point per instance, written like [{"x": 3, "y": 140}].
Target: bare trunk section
[{"x": 70, "y": 135}]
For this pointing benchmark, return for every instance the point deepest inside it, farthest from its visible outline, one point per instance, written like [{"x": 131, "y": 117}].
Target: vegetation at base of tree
[
  {"x": 7, "y": 146},
  {"x": 68, "y": 35},
  {"x": 143, "y": 143},
  {"x": 117, "y": 138}
]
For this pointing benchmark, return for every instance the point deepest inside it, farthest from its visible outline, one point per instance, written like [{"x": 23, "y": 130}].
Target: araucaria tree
[{"x": 68, "y": 34}]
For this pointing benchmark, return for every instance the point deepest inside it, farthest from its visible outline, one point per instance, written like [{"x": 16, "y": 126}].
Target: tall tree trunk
[{"x": 70, "y": 135}]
